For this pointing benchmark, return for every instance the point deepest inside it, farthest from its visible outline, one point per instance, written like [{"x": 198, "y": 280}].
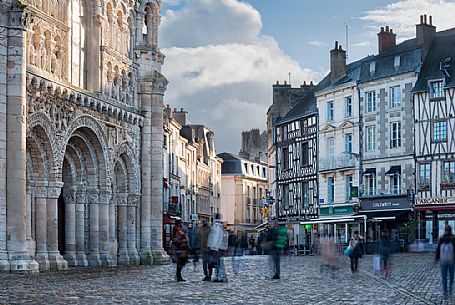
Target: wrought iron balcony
[{"x": 336, "y": 162}]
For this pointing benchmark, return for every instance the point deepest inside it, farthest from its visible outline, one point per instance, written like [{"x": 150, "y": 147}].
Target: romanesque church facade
[{"x": 81, "y": 133}]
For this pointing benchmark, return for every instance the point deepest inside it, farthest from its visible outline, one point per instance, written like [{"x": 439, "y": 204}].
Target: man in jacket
[
  {"x": 445, "y": 254},
  {"x": 204, "y": 233}
]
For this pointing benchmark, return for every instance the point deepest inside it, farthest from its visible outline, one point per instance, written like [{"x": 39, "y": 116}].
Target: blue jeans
[
  {"x": 444, "y": 269},
  {"x": 276, "y": 261}
]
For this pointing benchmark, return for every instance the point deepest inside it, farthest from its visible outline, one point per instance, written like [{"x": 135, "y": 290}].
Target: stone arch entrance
[{"x": 86, "y": 193}]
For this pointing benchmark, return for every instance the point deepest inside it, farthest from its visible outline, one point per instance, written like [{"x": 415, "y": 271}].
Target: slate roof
[
  {"x": 443, "y": 47},
  {"x": 305, "y": 106},
  {"x": 232, "y": 163},
  {"x": 410, "y": 60}
]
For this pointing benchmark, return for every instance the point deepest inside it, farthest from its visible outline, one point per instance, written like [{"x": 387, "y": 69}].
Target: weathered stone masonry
[{"x": 81, "y": 101}]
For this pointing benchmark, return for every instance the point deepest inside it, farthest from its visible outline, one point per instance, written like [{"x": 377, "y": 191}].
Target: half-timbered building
[
  {"x": 434, "y": 117},
  {"x": 296, "y": 159}
]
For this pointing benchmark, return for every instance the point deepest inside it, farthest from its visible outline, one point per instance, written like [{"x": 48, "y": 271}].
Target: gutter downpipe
[{"x": 361, "y": 160}]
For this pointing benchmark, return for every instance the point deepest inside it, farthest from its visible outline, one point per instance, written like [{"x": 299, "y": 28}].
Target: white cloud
[
  {"x": 221, "y": 69},
  {"x": 361, "y": 44},
  {"x": 316, "y": 43},
  {"x": 403, "y": 15}
]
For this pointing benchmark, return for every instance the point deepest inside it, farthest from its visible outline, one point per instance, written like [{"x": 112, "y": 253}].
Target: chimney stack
[
  {"x": 181, "y": 116},
  {"x": 337, "y": 63},
  {"x": 386, "y": 39},
  {"x": 425, "y": 32}
]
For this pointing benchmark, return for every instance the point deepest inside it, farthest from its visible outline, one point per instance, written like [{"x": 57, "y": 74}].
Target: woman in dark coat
[
  {"x": 180, "y": 247},
  {"x": 356, "y": 251}
]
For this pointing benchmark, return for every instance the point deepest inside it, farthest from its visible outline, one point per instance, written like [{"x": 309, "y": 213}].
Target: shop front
[
  {"x": 433, "y": 214},
  {"x": 391, "y": 213}
]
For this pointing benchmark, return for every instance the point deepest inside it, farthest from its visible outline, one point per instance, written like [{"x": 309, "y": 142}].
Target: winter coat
[
  {"x": 445, "y": 239},
  {"x": 204, "y": 233},
  {"x": 384, "y": 248},
  {"x": 355, "y": 245}
]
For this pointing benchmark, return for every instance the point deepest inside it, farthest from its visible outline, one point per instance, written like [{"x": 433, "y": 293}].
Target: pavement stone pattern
[{"x": 414, "y": 279}]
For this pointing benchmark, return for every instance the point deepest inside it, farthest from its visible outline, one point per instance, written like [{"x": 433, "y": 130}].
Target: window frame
[
  {"x": 348, "y": 106},
  {"x": 438, "y": 138},
  {"x": 394, "y": 97},
  {"x": 330, "y": 189},
  {"x": 348, "y": 143},
  {"x": 425, "y": 180},
  {"x": 440, "y": 90},
  {"x": 395, "y": 184},
  {"x": 371, "y": 184},
  {"x": 448, "y": 175},
  {"x": 395, "y": 135},
  {"x": 348, "y": 187},
  {"x": 330, "y": 111},
  {"x": 370, "y": 101},
  {"x": 370, "y": 143}
]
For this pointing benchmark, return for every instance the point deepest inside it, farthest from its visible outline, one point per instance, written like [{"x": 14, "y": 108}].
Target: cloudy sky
[{"x": 223, "y": 56}]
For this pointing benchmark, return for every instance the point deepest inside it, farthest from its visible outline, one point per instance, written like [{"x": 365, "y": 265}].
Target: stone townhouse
[
  {"x": 81, "y": 125},
  {"x": 434, "y": 137},
  {"x": 338, "y": 147},
  {"x": 244, "y": 184},
  {"x": 386, "y": 114}
]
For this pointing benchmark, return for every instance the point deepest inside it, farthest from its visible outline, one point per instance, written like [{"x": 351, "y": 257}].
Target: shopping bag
[
  {"x": 347, "y": 251},
  {"x": 377, "y": 263}
]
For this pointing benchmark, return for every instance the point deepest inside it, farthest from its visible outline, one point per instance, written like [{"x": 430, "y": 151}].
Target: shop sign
[
  {"x": 336, "y": 210},
  {"x": 387, "y": 203},
  {"x": 435, "y": 201}
]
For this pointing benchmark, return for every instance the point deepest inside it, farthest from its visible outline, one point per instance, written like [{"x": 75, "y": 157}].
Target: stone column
[
  {"x": 53, "y": 193},
  {"x": 41, "y": 255},
  {"x": 16, "y": 116},
  {"x": 80, "y": 226},
  {"x": 159, "y": 84},
  {"x": 146, "y": 102},
  {"x": 94, "y": 252},
  {"x": 131, "y": 229},
  {"x": 70, "y": 228},
  {"x": 113, "y": 246},
  {"x": 140, "y": 25},
  {"x": 31, "y": 246},
  {"x": 4, "y": 264},
  {"x": 105, "y": 256},
  {"x": 123, "y": 257}
]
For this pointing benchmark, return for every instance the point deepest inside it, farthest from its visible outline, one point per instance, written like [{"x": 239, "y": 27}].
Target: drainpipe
[{"x": 361, "y": 162}]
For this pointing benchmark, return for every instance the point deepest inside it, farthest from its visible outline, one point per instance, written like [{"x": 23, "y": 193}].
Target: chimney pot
[
  {"x": 382, "y": 29},
  {"x": 285, "y": 83},
  {"x": 175, "y": 109},
  {"x": 340, "y": 48},
  {"x": 336, "y": 44},
  {"x": 311, "y": 83},
  {"x": 421, "y": 19},
  {"x": 386, "y": 28},
  {"x": 431, "y": 20},
  {"x": 304, "y": 83},
  {"x": 391, "y": 31},
  {"x": 181, "y": 109},
  {"x": 425, "y": 19}
]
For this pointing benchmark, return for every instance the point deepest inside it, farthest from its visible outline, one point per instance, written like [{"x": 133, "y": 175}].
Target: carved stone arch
[
  {"x": 120, "y": 177},
  {"x": 125, "y": 153},
  {"x": 143, "y": 3},
  {"x": 88, "y": 157},
  {"x": 92, "y": 128},
  {"x": 74, "y": 152},
  {"x": 41, "y": 136}
]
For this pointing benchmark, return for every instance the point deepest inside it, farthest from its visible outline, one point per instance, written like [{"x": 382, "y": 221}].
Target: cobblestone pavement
[{"x": 414, "y": 280}]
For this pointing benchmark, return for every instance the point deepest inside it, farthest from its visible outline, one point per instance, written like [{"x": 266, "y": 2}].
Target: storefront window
[{"x": 449, "y": 172}]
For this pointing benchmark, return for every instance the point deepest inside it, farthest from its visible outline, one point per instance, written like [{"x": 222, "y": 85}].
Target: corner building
[{"x": 81, "y": 118}]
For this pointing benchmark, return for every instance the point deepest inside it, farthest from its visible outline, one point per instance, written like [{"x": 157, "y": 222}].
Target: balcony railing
[{"x": 336, "y": 162}]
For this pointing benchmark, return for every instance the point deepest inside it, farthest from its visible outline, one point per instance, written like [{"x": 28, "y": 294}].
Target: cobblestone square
[{"x": 414, "y": 280}]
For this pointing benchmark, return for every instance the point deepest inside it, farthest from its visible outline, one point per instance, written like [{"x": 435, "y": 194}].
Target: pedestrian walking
[
  {"x": 355, "y": 251},
  {"x": 207, "y": 265},
  {"x": 276, "y": 240},
  {"x": 180, "y": 249},
  {"x": 445, "y": 254},
  {"x": 330, "y": 261},
  {"x": 193, "y": 236},
  {"x": 384, "y": 252},
  {"x": 218, "y": 243}
]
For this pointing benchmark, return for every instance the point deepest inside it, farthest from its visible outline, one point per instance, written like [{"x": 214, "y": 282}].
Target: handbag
[{"x": 348, "y": 251}]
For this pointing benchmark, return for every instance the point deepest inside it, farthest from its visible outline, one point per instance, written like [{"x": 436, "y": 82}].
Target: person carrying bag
[{"x": 179, "y": 249}]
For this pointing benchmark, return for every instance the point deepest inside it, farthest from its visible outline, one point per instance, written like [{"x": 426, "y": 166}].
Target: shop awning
[
  {"x": 394, "y": 171},
  {"x": 369, "y": 172},
  {"x": 386, "y": 214},
  {"x": 334, "y": 220}
]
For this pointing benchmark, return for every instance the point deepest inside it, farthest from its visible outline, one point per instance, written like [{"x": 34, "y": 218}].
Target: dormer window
[
  {"x": 396, "y": 62},
  {"x": 437, "y": 89},
  {"x": 372, "y": 67}
]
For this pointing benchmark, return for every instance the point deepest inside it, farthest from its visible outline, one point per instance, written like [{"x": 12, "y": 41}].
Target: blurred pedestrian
[
  {"x": 218, "y": 243},
  {"x": 251, "y": 245},
  {"x": 207, "y": 265},
  {"x": 180, "y": 249},
  {"x": 355, "y": 251},
  {"x": 330, "y": 260},
  {"x": 445, "y": 254},
  {"x": 277, "y": 237},
  {"x": 384, "y": 252},
  {"x": 193, "y": 236}
]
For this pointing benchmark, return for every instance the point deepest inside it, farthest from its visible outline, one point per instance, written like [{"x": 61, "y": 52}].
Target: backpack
[{"x": 446, "y": 253}]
